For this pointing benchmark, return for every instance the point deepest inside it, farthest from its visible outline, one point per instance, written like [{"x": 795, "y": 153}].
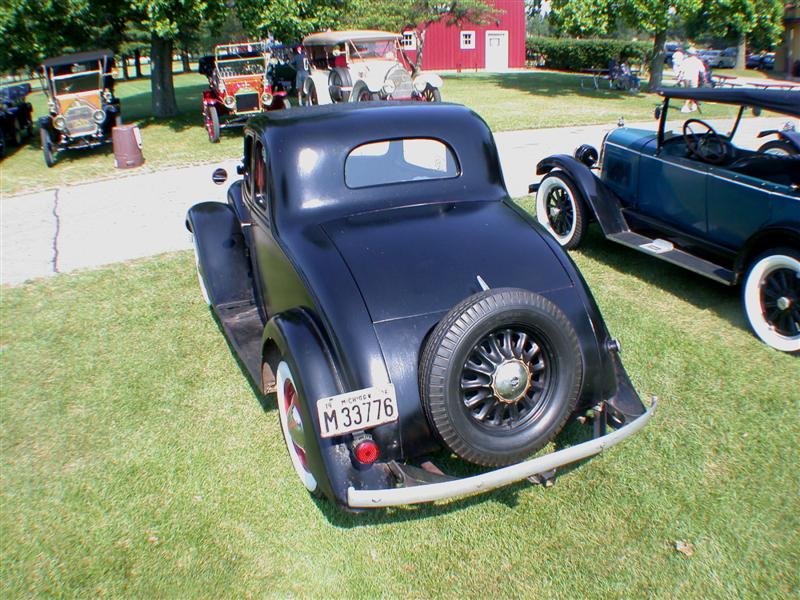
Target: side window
[
  {"x": 247, "y": 167},
  {"x": 259, "y": 176}
]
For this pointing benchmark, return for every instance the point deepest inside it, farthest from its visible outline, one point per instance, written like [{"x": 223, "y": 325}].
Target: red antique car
[{"x": 240, "y": 84}]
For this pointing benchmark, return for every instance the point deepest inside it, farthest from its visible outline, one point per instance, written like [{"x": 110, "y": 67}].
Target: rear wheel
[
  {"x": 212, "y": 124},
  {"x": 560, "y": 209},
  {"x": 47, "y": 147},
  {"x": 362, "y": 94},
  {"x": 17, "y": 133},
  {"x": 294, "y": 433},
  {"x": 779, "y": 147},
  {"x": 500, "y": 375},
  {"x": 772, "y": 298},
  {"x": 200, "y": 279}
]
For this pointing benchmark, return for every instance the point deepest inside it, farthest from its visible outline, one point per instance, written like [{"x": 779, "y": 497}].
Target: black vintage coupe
[
  {"x": 371, "y": 269},
  {"x": 16, "y": 116}
]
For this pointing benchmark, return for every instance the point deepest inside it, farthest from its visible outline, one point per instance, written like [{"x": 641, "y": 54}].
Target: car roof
[
  {"x": 782, "y": 101},
  {"x": 68, "y": 59},
  {"x": 330, "y": 38},
  {"x": 307, "y": 148}
]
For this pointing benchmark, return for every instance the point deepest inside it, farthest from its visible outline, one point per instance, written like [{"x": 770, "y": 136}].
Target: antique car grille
[
  {"x": 246, "y": 102},
  {"x": 402, "y": 82},
  {"x": 78, "y": 120}
]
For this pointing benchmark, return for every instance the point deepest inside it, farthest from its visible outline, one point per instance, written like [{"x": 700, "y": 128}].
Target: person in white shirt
[
  {"x": 677, "y": 60},
  {"x": 689, "y": 75}
]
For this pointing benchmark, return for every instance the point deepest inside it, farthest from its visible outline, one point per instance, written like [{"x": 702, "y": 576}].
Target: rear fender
[
  {"x": 222, "y": 260},
  {"x": 781, "y": 235},
  {"x": 603, "y": 202},
  {"x": 295, "y": 337}
]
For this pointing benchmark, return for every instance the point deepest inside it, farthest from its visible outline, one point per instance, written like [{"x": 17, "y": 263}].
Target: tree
[
  {"x": 418, "y": 14},
  {"x": 167, "y": 21},
  {"x": 582, "y": 18},
  {"x": 738, "y": 20},
  {"x": 288, "y": 20}
]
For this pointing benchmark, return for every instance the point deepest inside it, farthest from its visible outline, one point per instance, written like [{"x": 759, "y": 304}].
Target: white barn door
[{"x": 497, "y": 51}]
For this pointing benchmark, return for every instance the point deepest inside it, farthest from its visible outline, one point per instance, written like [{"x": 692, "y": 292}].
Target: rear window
[{"x": 398, "y": 161}]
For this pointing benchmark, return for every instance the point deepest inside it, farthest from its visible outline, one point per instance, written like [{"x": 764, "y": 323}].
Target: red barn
[{"x": 495, "y": 46}]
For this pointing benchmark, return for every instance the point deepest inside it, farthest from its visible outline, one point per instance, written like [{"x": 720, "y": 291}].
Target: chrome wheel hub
[
  {"x": 510, "y": 381},
  {"x": 783, "y": 303}
]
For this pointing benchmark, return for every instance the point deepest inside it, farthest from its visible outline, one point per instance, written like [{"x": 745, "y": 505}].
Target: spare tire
[{"x": 500, "y": 375}]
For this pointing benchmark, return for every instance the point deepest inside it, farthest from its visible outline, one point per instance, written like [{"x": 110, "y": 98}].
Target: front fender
[
  {"x": 431, "y": 79},
  {"x": 602, "y": 201},
  {"x": 295, "y": 337}
]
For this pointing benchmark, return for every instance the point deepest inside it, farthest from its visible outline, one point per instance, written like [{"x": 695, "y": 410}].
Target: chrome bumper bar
[{"x": 497, "y": 478}]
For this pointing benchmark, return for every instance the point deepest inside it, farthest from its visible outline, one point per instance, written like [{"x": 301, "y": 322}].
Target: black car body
[
  {"x": 80, "y": 97},
  {"x": 16, "y": 115},
  {"x": 695, "y": 200},
  {"x": 345, "y": 265}
]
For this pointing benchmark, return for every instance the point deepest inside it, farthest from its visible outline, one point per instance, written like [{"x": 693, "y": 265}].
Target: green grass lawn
[{"x": 137, "y": 461}]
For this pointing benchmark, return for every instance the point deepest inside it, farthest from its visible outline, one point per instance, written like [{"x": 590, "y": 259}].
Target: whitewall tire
[
  {"x": 292, "y": 425},
  {"x": 560, "y": 209},
  {"x": 772, "y": 299}
]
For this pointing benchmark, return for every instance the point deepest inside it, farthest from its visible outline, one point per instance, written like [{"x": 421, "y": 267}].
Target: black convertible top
[
  {"x": 69, "y": 59},
  {"x": 12, "y": 93},
  {"x": 782, "y": 101}
]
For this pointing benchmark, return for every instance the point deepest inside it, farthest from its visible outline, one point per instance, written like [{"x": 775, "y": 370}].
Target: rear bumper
[{"x": 499, "y": 477}]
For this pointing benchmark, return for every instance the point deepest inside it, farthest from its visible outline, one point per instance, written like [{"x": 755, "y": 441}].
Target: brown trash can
[{"x": 127, "y": 141}]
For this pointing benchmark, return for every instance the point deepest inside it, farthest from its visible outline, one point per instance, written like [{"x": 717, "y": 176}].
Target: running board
[
  {"x": 666, "y": 251},
  {"x": 243, "y": 328}
]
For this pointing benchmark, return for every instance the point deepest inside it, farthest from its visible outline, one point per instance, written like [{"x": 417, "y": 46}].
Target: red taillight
[{"x": 366, "y": 452}]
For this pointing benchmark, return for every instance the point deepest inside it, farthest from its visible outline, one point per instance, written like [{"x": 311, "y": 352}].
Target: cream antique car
[{"x": 358, "y": 66}]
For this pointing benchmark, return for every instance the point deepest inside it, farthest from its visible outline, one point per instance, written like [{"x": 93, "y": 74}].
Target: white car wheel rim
[
  {"x": 555, "y": 209},
  {"x": 200, "y": 279},
  {"x": 287, "y": 407},
  {"x": 771, "y": 301}
]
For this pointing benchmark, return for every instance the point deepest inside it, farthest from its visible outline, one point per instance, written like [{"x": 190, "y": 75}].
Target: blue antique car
[
  {"x": 367, "y": 268},
  {"x": 16, "y": 116},
  {"x": 694, "y": 199}
]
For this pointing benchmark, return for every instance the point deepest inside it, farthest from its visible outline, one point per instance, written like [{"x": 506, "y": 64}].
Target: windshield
[
  {"x": 241, "y": 66},
  {"x": 74, "y": 84},
  {"x": 381, "y": 49}
]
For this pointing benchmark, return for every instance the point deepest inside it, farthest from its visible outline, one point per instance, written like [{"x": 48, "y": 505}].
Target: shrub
[{"x": 566, "y": 54}]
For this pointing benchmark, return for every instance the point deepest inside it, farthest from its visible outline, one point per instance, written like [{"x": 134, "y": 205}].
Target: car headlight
[
  {"x": 420, "y": 85},
  {"x": 229, "y": 101},
  {"x": 59, "y": 123},
  {"x": 266, "y": 98},
  {"x": 99, "y": 116},
  {"x": 388, "y": 87}
]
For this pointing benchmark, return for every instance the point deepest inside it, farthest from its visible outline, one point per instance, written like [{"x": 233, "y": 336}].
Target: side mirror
[
  {"x": 657, "y": 112},
  {"x": 219, "y": 176}
]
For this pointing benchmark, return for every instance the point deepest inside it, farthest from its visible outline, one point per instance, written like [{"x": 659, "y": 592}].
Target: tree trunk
[
  {"x": 187, "y": 66},
  {"x": 741, "y": 51},
  {"x": 164, "y": 104},
  {"x": 125, "y": 73},
  {"x": 657, "y": 62},
  {"x": 420, "y": 48},
  {"x": 137, "y": 63}
]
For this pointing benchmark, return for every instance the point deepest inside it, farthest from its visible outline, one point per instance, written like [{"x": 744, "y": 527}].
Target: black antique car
[
  {"x": 371, "y": 269},
  {"x": 694, "y": 199},
  {"x": 80, "y": 97},
  {"x": 16, "y": 115}
]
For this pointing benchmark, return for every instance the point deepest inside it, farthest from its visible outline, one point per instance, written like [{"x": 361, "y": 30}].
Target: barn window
[
  {"x": 467, "y": 40},
  {"x": 409, "y": 40}
]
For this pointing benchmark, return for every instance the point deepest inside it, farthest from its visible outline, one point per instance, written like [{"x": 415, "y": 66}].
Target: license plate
[{"x": 353, "y": 411}]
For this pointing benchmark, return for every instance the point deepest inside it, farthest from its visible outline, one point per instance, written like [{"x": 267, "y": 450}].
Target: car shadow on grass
[{"x": 701, "y": 292}]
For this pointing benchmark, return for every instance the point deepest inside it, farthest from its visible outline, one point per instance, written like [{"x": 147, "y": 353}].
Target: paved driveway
[{"x": 136, "y": 215}]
